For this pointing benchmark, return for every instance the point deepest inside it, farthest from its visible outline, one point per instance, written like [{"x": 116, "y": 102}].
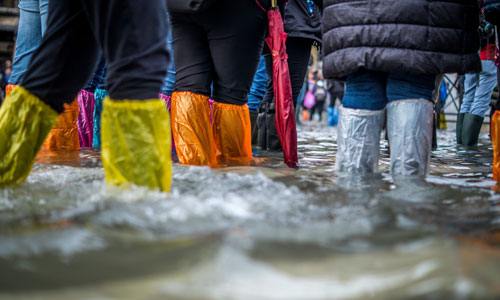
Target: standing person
[
  {"x": 303, "y": 27},
  {"x": 169, "y": 81},
  {"x": 216, "y": 55},
  {"x": 87, "y": 106},
  {"x": 396, "y": 71},
  {"x": 492, "y": 15},
  {"x": 320, "y": 95},
  {"x": 33, "y": 16},
  {"x": 135, "y": 128},
  {"x": 32, "y": 26},
  {"x": 256, "y": 95},
  {"x": 478, "y": 90}
]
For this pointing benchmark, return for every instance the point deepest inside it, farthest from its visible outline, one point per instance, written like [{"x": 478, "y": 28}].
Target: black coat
[
  {"x": 492, "y": 11},
  {"x": 412, "y": 36},
  {"x": 300, "y": 23}
]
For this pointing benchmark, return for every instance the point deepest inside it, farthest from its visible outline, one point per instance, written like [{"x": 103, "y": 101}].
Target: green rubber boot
[
  {"x": 471, "y": 128},
  {"x": 460, "y": 121}
]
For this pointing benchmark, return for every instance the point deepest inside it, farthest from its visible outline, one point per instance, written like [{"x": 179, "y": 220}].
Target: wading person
[
  {"x": 216, "y": 55},
  {"x": 303, "y": 27},
  {"x": 390, "y": 52},
  {"x": 135, "y": 126},
  {"x": 478, "y": 90},
  {"x": 32, "y": 25}
]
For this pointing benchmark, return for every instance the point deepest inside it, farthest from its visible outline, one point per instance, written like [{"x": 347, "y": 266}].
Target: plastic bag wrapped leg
[
  {"x": 64, "y": 136},
  {"x": 136, "y": 143},
  {"x": 85, "y": 120},
  {"x": 358, "y": 140},
  {"x": 495, "y": 140},
  {"x": 191, "y": 128},
  {"x": 168, "y": 104},
  {"x": 25, "y": 121},
  {"x": 232, "y": 133},
  {"x": 99, "y": 96},
  {"x": 409, "y": 124}
]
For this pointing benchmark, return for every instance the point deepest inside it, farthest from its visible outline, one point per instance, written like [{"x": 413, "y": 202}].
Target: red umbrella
[{"x": 285, "y": 112}]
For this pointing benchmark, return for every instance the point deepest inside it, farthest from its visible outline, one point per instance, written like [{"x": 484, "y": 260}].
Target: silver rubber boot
[
  {"x": 409, "y": 124},
  {"x": 358, "y": 140}
]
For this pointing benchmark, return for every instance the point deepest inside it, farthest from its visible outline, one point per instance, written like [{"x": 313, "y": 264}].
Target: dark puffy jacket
[
  {"x": 300, "y": 23},
  {"x": 492, "y": 11},
  {"x": 412, "y": 36}
]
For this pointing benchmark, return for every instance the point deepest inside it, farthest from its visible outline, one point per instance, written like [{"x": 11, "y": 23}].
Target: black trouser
[
  {"x": 317, "y": 108},
  {"x": 130, "y": 33},
  {"x": 219, "y": 46},
  {"x": 299, "y": 53}
]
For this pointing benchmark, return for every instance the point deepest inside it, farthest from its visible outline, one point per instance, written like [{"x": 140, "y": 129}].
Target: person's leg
[
  {"x": 44, "y": 14},
  {"x": 136, "y": 142},
  {"x": 47, "y": 85},
  {"x": 54, "y": 75},
  {"x": 320, "y": 106},
  {"x": 299, "y": 52},
  {"x": 484, "y": 90},
  {"x": 473, "y": 120},
  {"x": 29, "y": 37},
  {"x": 313, "y": 112},
  {"x": 169, "y": 81},
  {"x": 267, "y": 136},
  {"x": 235, "y": 49},
  {"x": 191, "y": 124},
  {"x": 470, "y": 83},
  {"x": 410, "y": 121},
  {"x": 360, "y": 122},
  {"x": 256, "y": 95}
]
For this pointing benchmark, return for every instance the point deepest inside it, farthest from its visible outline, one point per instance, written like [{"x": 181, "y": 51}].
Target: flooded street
[{"x": 260, "y": 232}]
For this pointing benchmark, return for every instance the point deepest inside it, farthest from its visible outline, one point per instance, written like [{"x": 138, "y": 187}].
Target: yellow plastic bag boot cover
[
  {"x": 232, "y": 133},
  {"x": 136, "y": 143},
  {"x": 64, "y": 136},
  {"x": 192, "y": 129},
  {"x": 25, "y": 121}
]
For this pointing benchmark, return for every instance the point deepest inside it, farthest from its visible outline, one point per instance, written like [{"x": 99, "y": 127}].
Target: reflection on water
[{"x": 260, "y": 232}]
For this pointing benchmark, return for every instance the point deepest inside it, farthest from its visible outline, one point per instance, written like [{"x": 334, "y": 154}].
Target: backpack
[{"x": 320, "y": 93}]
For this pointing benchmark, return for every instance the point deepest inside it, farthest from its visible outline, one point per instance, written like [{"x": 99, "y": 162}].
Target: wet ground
[{"x": 265, "y": 232}]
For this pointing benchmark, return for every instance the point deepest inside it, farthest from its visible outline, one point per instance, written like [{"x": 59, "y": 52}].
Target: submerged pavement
[{"x": 259, "y": 232}]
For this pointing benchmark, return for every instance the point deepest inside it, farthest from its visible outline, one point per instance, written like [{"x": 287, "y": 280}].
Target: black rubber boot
[
  {"x": 471, "y": 127},
  {"x": 253, "y": 125},
  {"x": 261, "y": 129},
  {"x": 460, "y": 121},
  {"x": 272, "y": 138}
]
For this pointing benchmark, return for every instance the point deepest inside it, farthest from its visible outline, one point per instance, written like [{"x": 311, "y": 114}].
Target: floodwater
[{"x": 265, "y": 232}]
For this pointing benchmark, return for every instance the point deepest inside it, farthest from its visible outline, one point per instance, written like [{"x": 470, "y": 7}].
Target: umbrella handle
[{"x": 274, "y": 3}]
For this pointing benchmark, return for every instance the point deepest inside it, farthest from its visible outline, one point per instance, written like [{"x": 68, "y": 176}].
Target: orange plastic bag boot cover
[
  {"x": 232, "y": 133},
  {"x": 495, "y": 140},
  {"x": 65, "y": 134},
  {"x": 9, "y": 88},
  {"x": 192, "y": 129}
]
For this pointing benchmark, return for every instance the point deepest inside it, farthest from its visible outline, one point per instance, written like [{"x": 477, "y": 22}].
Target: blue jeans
[
  {"x": 169, "y": 81},
  {"x": 98, "y": 77},
  {"x": 477, "y": 95},
  {"x": 259, "y": 86},
  {"x": 373, "y": 90},
  {"x": 32, "y": 25}
]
